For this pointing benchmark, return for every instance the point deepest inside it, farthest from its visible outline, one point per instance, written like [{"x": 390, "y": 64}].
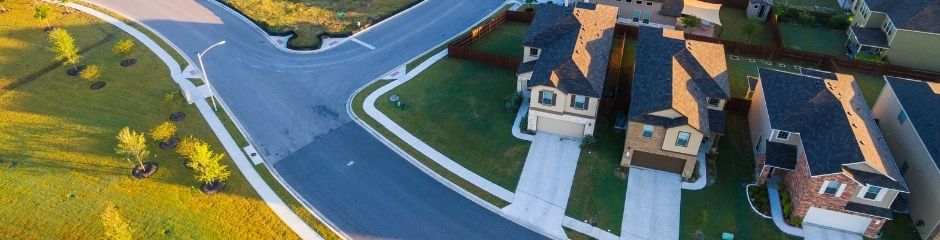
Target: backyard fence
[{"x": 460, "y": 48}]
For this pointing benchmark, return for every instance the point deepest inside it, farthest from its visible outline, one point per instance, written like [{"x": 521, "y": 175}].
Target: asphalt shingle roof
[
  {"x": 917, "y": 15},
  {"x": 869, "y": 210},
  {"x": 919, "y": 102},
  {"x": 781, "y": 155},
  {"x": 875, "y": 179},
  {"x": 870, "y": 36},
  {"x": 575, "y": 43}
]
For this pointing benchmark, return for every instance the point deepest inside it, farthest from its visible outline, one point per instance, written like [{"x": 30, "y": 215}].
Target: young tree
[
  {"x": 63, "y": 45},
  {"x": 123, "y": 47},
  {"x": 691, "y": 22},
  {"x": 162, "y": 132},
  {"x": 41, "y": 13},
  {"x": 187, "y": 146},
  {"x": 114, "y": 225},
  {"x": 132, "y": 145},
  {"x": 751, "y": 28},
  {"x": 91, "y": 74},
  {"x": 207, "y": 165}
]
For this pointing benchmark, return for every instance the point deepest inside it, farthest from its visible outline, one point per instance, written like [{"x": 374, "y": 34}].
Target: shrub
[
  {"x": 751, "y": 28},
  {"x": 840, "y": 21},
  {"x": 588, "y": 141},
  {"x": 691, "y": 22},
  {"x": 123, "y": 47},
  {"x": 784, "y": 12},
  {"x": 870, "y": 57},
  {"x": 524, "y": 123},
  {"x": 207, "y": 164},
  {"x": 187, "y": 146},
  {"x": 512, "y": 102},
  {"x": 806, "y": 19},
  {"x": 163, "y": 132},
  {"x": 92, "y": 73}
]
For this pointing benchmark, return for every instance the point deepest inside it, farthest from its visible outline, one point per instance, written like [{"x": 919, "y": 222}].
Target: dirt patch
[
  {"x": 212, "y": 188},
  {"x": 149, "y": 169}
]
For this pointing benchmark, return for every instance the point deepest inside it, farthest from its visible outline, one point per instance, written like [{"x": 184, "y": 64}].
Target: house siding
[
  {"x": 915, "y": 50},
  {"x": 561, "y": 110},
  {"x": 627, "y": 8},
  {"x": 636, "y": 142}
]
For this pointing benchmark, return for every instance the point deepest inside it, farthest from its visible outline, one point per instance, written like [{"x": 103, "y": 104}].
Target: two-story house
[
  {"x": 814, "y": 131},
  {"x": 906, "y": 32},
  {"x": 908, "y": 115},
  {"x": 566, "y": 51},
  {"x": 657, "y": 13},
  {"x": 677, "y": 101}
]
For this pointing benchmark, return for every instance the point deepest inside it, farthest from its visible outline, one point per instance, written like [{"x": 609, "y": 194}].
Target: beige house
[
  {"x": 906, "y": 32},
  {"x": 565, "y": 65},
  {"x": 657, "y": 13},
  {"x": 677, "y": 102},
  {"x": 813, "y": 132},
  {"x": 907, "y": 113}
]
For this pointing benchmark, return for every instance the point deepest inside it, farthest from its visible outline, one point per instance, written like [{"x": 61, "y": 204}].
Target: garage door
[
  {"x": 657, "y": 162},
  {"x": 561, "y": 127},
  {"x": 837, "y": 220}
]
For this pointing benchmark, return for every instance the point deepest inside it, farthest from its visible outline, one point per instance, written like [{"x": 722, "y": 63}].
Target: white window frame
[
  {"x": 547, "y": 95},
  {"x": 583, "y": 102},
  {"x": 716, "y": 100},
  {"x": 878, "y": 197},
  {"x": 687, "y": 140},
  {"x": 777, "y": 135},
  {"x": 652, "y": 130},
  {"x": 636, "y": 15},
  {"x": 839, "y": 189},
  {"x": 536, "y": 50}
]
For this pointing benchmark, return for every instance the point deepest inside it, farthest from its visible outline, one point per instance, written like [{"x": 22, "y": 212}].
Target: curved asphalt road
[{"x": 293, "y": 107}]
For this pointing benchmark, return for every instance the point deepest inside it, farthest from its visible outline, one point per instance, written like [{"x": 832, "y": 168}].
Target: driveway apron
[{"x": 651, "y": 210}]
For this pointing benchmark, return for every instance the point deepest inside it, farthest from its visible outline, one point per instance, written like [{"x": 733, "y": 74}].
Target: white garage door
[
  {"x": 561, "y": 127},
  {"x": 837, "y": 220}
]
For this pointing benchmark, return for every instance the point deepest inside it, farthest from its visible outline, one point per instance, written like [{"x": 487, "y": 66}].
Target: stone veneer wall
[{"x": 636, "y": 141}]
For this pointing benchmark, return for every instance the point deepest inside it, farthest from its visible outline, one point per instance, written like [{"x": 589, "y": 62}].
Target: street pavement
[{"x": 293, "y": 108}]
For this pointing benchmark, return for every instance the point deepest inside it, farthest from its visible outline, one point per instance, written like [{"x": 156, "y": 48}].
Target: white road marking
[
  {"x": 350, "y": 163},
  {"x": 364, "y": 44}
]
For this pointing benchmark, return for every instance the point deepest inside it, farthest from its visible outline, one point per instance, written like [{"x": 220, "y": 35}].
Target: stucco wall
[
  {"x": 561, "y": 110},
  {"x": 636, "y": 141},
  {"x": 672, "y": 135}
]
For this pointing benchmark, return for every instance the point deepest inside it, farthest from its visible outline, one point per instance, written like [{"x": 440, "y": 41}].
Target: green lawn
[
  {"x": 308, "y": 19},
  {"x": 505, "y": 40},
  {"x": 871, "y": 86},
  {"x": 597, "y": 194},
  {"x": 722, "y": 206},
  {"x": 899, "y": 228},
  {"x": 458, "y": 103},
  {"x": 437, "y": 168},
  {"x": 58, "y": 137},
  {"x": 733, "y": 21},
  {"x": 816, "y": 40}
]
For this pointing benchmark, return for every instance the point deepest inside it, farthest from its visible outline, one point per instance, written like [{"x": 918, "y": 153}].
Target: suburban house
[
  {"x": 759, "y": 9},
  {"x": 907, "y": 113},
  {"x": 657, "y": 13},
  {"x": 677, "y": 102},
  {"x": 566, "y": 51},
  {"x": 903, "y": 31},
  {"x": 814, "y": 133}
]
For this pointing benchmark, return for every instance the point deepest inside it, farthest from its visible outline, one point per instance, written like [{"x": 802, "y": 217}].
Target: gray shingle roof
[
  {"x": 817, "y": 73},
  {"x": 919, "y": 102},
  {"x": 875, "y": 179},
  {"x": 716, "y": 121},
  {"x": 672, "y": 73},
  {"x": 870, "y": 36},
  {"x": 781, "y": 155},
  {"x": 869, "y": 210},
  {"x": 672, "y": 8},
  {"x": 917, "y": 15},
  {"x": 575, "y": 43}
]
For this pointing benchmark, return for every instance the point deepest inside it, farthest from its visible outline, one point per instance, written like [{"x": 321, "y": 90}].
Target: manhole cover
[{"x": 393, "y": 98}]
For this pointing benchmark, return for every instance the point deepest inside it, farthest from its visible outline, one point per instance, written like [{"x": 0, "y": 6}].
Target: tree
[
  {"x": 691, "y": 22},
  {"x": 751, "y": 28},
  {"x": 41, "y": 13},
  {"x": 132, "y": 145},
  {"x": 92, "y": 73},
  {"x": 162, "y": 132},
  {"x": 187, "y": 146},
  {"x": 123, "y": 47},
  {"x": 114, "y": 225},
  {"x": 206, "y": 164},
  {"x": 63, "y": 45}
]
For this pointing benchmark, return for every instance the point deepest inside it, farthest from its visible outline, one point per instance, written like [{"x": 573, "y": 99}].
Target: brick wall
[{"x": 761, "y": 170}]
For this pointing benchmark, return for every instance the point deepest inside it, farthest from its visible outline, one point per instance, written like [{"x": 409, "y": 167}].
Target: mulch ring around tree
[
  {"x": 74, "y": 71},
  {"x": 212, "y": 188},
  {"x": 149, "y": 169},
  {"x": 128, "y": 62},
  {"x": 177, "y": 116},
  {"x": 97, "y": 85},
  {"x": 172, "y": 143}
]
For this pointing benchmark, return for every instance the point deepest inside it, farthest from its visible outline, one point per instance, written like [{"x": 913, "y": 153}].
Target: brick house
[
  {"x": 814, "y": 132},
  {"x": 677, "y": 102},
  {"x": 564, "y": 66}
]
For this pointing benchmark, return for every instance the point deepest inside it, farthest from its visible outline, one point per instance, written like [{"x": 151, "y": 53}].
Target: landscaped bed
[
  {"x": 457, "y": 107},
  {"x": 58, "y": 160},
  {"x": 309, "y": 19}
]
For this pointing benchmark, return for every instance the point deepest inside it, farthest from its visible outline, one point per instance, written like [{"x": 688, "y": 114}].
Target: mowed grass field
[
  {"x": 309, "y": 18},
  {"x": 58, "y": 169}
]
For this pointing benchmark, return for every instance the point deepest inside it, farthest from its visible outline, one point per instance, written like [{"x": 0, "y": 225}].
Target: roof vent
[{"x": 861, "y": 142}]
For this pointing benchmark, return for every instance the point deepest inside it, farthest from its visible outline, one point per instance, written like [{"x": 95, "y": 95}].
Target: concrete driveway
[
  {"x": 542, "y": 193},
  {"x": 651, "y": 210},
  {"x": 815, "y": 232}
]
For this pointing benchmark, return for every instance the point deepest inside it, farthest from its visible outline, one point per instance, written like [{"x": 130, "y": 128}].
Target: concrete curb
[
  {"x": 699, "y": 184},
  {"x": 747, "y": 193}
]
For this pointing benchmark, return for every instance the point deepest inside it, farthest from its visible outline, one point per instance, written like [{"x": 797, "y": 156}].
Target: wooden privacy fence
[{"x": 460, "y": 48}]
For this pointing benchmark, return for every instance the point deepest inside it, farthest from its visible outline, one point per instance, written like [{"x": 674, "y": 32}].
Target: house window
[
  {"x": 547, "y": 98},
  {"x": 713, "y": 102},
  {"x": 646, "y": 18},
  {"x": 533, "y": 51},
  {"x": 636, "y": 15},
  {"x": 783, "y": 135},
  {"x": 683, "y": 139},
  {"x": 872, "y": 193},
  {"x": 639, "y": 2},
  {"x": 832, "y": 188},
  {"x": 648, "y": 131},
  {"x": 579, "y": 102},
  {"x": 649, "y": 3},
  {"x": 902, "y": 117}
]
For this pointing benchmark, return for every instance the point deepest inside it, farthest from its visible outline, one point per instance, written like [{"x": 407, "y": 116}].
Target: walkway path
[
  {"x": 542, "y": 194},
  {"x": 523, "y": 110},
  {"x": 776, "y": 210},
  {"x": 267, "y": 194},
  {"x": 651, "y": 210}
]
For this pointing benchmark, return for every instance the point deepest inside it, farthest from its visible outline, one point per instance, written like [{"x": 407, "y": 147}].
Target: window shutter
[
  {"x": 861, "y": 192},
  {"x": 587, "y": 102},
  {"x": 554, "y": 96},
  {"x": 841, "y": 189},
  {"x": 881, "y": 194},
  {"x": 823, "y": 188},
  {"x": 540, "y": 96},
  {"x": 573, "y": 97}
]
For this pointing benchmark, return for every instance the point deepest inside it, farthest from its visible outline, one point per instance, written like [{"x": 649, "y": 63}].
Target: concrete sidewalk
[
  {"x": 651, "y": 210},
  {"x": 244, "y": 165},
  {"x": 776, "y": 210},
  {"x": 545, "y": 184},
  {"x": 523, "y": 111}
]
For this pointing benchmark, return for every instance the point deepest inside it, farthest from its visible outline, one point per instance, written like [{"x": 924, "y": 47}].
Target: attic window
[{"x": 783, "y": 135}]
